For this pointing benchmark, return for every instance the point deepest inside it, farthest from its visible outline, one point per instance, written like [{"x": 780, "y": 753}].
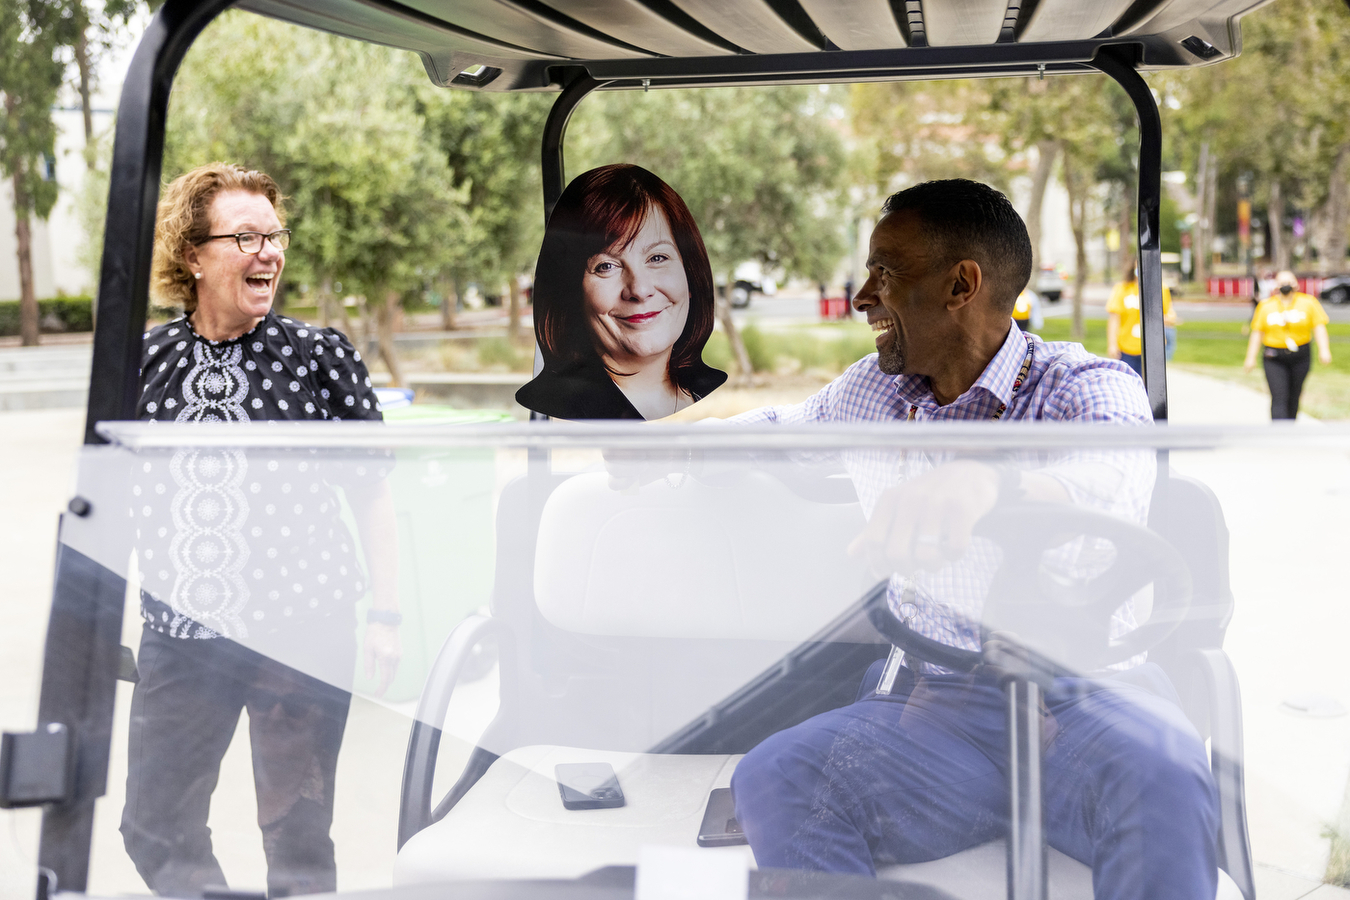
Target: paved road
[
  {"x": 1287, "y": 639},
  {"x": 805, "y": 307}
]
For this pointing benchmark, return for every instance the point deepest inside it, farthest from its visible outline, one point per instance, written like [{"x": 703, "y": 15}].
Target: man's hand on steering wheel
[{"x": 926, "y": 523}]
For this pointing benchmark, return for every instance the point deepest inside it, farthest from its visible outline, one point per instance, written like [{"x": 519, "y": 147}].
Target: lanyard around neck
[{"x": 1017, "y": 383}]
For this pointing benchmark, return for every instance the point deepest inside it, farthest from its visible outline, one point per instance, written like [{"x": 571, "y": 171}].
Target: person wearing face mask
[
  {"x": 1283, "y": 330},
  {"x": 623, "y": 302},
  {"x": 1123, "y": 330}
]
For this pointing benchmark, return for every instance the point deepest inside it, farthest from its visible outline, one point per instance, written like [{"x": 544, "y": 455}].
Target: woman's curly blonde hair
[{"x": 184, "y": 220}]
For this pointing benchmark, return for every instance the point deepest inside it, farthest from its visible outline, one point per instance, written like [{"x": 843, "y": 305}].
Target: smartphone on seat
[
  {"x": 588, "y": 785},
  {"x": 720, "y": 828}
]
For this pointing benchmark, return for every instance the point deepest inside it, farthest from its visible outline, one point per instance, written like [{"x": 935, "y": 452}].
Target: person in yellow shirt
[
  {"x": 1283, "y": 328},
  {"x": 1027, "y": 311},
  {"x": 1124, "y": 335}
]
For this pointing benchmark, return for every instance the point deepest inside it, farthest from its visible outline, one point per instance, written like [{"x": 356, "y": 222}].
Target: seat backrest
[
  {"x": 1187, "y": 513},
  {"x": 635, "y": 612},
  {"x": 752, "y": 560}
]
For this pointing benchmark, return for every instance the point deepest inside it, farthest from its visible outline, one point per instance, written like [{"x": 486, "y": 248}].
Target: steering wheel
[{"x": 1065, "y": 625}]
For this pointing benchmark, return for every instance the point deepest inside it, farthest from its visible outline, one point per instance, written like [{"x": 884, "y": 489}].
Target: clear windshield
[{"x": 375, "y": 656}]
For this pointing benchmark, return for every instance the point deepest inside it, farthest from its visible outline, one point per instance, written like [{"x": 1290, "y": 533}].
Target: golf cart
[{"x": 663, "y": 665}]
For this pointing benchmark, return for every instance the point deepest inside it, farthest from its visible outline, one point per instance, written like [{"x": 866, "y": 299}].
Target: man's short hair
[{"x": 967, "y": 220}]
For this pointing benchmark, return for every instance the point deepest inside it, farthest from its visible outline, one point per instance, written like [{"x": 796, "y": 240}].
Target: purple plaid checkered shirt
[{"x": 1065, "y": 383}]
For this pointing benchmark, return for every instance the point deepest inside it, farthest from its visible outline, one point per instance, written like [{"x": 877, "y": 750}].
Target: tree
[
  {"x": 336, "y": 123},
  {"x": 1086, "y": 124},
  {"x": 491, "y": 145},
  {"x": 30, "y": 76},
  {"x": 760, "y": 170},
  {"x": 1280, "y": 112},
  {"x": 92, "y": 32},
  {"x": 908, "y": 132}
]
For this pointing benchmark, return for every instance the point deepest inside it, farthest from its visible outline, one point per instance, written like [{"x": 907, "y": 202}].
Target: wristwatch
[{"x": 384, "y": 617}]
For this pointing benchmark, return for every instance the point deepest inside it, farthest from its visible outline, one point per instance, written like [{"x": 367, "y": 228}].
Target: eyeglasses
[{"x": 252, "y": 241}]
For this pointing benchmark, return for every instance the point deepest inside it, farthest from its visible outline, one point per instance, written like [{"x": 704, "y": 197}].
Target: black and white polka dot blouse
[
  {"x": 250, "y": 544},
  {"x": 282, "y": 369}
]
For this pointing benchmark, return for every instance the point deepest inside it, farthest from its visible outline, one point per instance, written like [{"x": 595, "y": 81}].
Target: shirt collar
[{"x": 997, "y": 378}]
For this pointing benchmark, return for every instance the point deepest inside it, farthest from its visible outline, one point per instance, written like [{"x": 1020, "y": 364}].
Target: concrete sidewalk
[{"x": 1290, "y": 760}]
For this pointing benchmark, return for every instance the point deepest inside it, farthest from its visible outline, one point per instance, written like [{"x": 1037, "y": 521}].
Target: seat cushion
[
  {"x": 981, "y": 872},
  {"x": 512, "y": 823}
]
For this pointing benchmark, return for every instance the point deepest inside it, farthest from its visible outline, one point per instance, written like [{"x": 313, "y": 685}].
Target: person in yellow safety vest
[
  {"x": 1124, "y": 334},
  {"x": 1283, "y": 328},
  {"x": 1027, "y": 311}
]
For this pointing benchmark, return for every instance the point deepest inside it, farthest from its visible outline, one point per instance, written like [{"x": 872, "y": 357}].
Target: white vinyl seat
[
  {"x": 513, "y": 824},
  {"x": 981, "y": 873},
  {"x": 752, "y": 566}
]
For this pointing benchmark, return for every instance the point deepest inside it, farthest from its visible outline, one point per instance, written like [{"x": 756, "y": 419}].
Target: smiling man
[{"x": 915, "y": 769}]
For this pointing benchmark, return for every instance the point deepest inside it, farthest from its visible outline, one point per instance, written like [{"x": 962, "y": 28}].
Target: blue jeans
[
  {"x": 1134, "y": 361},
  {"x": 920, "y": 775}
]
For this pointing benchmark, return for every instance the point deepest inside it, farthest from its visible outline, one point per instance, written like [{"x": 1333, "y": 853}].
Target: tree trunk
[
  {"x": 738, "y": 351},
  {"x": 1332, "y": 255},
  {"x": 1078, "y": 224},
  {"x": 384, "y": 324},
  {"x": 28, "y": 305},
  {"x": 513, "y": 318},
  {"x": 82, "y": 64},
  {"x": 1200, "y": 239},
  {"x": 324, "y": 302},
  {"x": 1211, "y": 211},
  {"x": 450, "y": 305},
  {"x": 1045, "y": 164},
  {"x": 1277, "y": 247}
]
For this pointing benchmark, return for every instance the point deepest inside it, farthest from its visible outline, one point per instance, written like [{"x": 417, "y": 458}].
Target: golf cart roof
[{"x": 533, "y": 45}]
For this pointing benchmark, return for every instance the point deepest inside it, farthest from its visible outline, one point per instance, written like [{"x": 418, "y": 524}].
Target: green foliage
[
  {"x": 336, "y": 123},
  {"x": 91, "y": 204},
  {"x": 908, "y": 132},
  {"x": 1280, "y": 111},
  {"x": 824, "y": 349},
  {"x": 760, "y": 168},
  {"x": 31, "y": 34},
  {"x": 68, "y": 313},
  {"x": 491, "y": 144},
  {"x": 491, "y": 354}
]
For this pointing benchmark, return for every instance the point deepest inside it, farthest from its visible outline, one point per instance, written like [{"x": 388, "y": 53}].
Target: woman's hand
[
  {"x": 382, "y": 651},
  {"x": 1253, "y": 345},
  {"x": 1323, "y": 345}
]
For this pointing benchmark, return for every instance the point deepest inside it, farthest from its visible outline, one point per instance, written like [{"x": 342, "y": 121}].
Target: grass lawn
[{"x": 1217, "y": 349}]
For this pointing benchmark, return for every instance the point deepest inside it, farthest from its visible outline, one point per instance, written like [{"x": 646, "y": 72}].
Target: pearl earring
[{"x": 197, "y": 275}]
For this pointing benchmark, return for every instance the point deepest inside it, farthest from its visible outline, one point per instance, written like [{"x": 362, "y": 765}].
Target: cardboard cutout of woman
[{"x": 623, "y": 302}]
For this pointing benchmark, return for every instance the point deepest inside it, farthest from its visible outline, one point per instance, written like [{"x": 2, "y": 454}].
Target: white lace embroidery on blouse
[{"x": 209, "y": 508}]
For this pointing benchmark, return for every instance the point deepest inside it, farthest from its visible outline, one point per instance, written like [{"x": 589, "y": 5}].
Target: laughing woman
[
  {"x": 623, "y": 302},
  {"x": 249, "y": 576}
]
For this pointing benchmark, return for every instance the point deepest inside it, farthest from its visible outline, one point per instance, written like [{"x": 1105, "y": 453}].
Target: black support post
[
  {"x": 79, "y": 681},
  {"x": 554, "y": 169},
  {"x": 83, "y": 652},
  {"x": 555, "y": 130},
  {"x": 128, "y": 238},
  {"x": 1117, "y": 62}
]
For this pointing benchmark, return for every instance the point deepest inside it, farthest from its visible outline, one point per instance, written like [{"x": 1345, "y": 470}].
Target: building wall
[{"x": 58, "y": 241}]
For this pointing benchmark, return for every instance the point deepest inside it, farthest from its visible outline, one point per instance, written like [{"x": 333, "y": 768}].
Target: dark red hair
[{"x": 600, "y": 209}]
